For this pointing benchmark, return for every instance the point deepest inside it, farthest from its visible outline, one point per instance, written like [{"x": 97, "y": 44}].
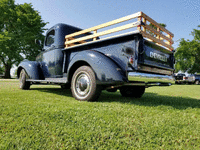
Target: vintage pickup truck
[{"x": 132, "y": 56}]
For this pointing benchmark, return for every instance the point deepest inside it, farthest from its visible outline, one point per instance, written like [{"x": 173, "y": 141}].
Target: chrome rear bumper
[{"x": 148, "y": 80}]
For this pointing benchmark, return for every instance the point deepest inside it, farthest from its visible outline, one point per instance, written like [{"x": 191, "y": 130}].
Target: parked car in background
[
  {"x": 197, "y": 79},
  {"x": 190, "y": 79},
  {"x": 193, "y": 79},
  {"x": 180, "y": 78}
]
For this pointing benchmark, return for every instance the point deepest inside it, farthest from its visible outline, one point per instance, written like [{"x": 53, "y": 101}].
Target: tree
[
  {"x": 20, "y": 25},
  {"x": 188, "y": 54},
  {"x": 1, "y": 68}
]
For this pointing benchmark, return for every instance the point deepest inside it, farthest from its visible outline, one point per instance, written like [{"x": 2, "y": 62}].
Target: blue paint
[{"x": 109, "y": 58}]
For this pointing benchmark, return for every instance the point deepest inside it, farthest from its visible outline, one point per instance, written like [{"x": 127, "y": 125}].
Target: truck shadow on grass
[
  {"x": 148, "y": 99},
  {"x": 153, "y": 99}
]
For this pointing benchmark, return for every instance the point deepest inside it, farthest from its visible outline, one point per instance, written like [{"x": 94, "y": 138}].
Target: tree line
[{"x": 188, "y": 54}]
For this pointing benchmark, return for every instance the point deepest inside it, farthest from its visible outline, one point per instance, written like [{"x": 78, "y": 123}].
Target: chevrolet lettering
[{"x": 158, "y": 56}]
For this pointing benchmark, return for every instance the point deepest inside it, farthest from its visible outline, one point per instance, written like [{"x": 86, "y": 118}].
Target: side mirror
[{"x": 38, "y": 42}]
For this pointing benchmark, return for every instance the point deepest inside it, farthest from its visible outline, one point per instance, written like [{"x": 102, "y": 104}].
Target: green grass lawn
[{"x": 47, "y": 117}]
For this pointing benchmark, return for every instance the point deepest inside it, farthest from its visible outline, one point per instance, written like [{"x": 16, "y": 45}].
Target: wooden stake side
[
  {"x": 117, "y": 29},
  {"x": 144, "y": 34},
  {"x": 126, "y": 18},
  {"x": 148, "y": 27},
  {"x": 141, "y": 25},
  {"x": 156, "y": 24},
  {"x": 114, "y": 36}
]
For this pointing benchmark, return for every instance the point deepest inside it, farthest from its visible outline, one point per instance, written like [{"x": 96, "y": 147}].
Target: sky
[{"x": 180, "y": 16}]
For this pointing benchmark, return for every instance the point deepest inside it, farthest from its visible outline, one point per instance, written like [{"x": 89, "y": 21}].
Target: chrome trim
[
  {"x": 147, "y": 84},
  {"x": 50, "y": 80},
  {"x": 145, "y": 79},
  {"x": 154, "y": 70}
]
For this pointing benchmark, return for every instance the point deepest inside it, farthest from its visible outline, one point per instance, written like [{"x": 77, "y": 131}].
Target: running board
[{"x": 48, "y": 80}]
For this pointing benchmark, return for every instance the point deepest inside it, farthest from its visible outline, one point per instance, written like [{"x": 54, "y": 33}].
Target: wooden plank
[
  {"x": 74, "y": 39},
  {"x": 105, "y": 24},
  {"x": 144, "y": 34},
  {"x": 95, "y": 32},
  {"x": 145, "y": 22},
  {"x": 158, "y": 33},
  {"x": 117, "y": 29},
  {"x": 156, "y": 24},
  {"x": 114, "y": 36},
  {"x": 139, "y": 26}
]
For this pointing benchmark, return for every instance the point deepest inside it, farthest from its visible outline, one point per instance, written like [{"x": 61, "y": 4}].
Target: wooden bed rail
[{"x": 146, "y": 26}]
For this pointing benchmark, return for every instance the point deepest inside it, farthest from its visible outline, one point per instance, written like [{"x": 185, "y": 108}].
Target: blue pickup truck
[{"x": 88, "y": 61}]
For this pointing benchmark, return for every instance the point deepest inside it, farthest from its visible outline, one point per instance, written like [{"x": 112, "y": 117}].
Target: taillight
[{"x": 131, "y": 60}]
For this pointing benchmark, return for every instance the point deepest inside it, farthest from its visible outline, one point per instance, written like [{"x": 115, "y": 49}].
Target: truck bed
[{"x": 153, "y": 44}]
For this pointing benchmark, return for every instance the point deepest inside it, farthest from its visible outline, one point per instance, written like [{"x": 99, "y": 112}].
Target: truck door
[
  {"x": 47, "y": 58},
  {"x": 58, "y": 53}
]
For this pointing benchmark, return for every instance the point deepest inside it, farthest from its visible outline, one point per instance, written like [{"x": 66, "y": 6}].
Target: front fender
[
  {"x": 106, "y": 70},
  {"x": 31, "y": 68}
]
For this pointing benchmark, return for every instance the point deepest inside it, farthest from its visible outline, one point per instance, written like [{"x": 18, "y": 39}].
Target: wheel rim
[{"x": 82, "y": 85}]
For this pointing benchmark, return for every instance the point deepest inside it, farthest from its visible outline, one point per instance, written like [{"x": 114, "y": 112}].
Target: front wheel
[
  {"x": 23, "y": 84},
  {"x": 84, "y": 86},
  {"x": 132, "y": 91}
]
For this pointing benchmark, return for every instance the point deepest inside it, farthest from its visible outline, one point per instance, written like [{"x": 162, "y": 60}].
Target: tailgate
[{"x": 155, "y": 59}]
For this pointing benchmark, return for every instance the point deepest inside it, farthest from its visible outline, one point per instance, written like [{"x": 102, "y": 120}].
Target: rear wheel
[
  {"x": 83, "y": 85},
  {"x": 136, "y": 91},
  {"x": 23, "y": 84}
]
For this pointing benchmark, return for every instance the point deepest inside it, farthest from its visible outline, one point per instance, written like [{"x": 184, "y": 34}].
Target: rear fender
[
  {"x": 106, "y": 70},
  {"x": 32, "y": 69}
]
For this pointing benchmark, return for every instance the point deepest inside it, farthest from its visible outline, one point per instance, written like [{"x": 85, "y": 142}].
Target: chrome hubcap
[{"x": 83, "y": 84}]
